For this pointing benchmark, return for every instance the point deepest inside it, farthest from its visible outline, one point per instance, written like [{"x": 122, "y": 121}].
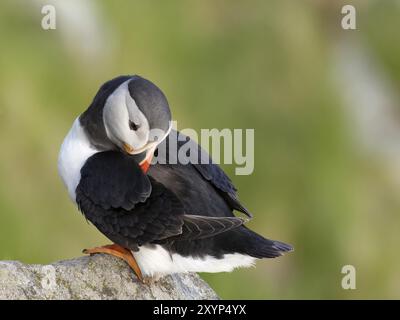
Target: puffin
[{"x": 162, "y": 217}]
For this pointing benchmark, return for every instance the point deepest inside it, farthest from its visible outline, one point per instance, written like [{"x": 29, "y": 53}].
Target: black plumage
[
  {"x": 174, "y": 205},
  {"x": 209, "y": 192},
  {"x": 204, "y": 165},
  {"x": 133, "y": 209},
  {"x": 112, "y": 179}
]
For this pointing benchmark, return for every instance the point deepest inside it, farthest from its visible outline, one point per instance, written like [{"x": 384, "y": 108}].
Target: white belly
[
  {"x": 155, "y": 260},
  {"x": 74, "y": 152}
]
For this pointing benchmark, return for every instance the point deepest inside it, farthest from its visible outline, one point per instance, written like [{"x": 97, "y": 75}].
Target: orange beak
[
  {"x": 128, "y": 148},
  {"x": 145, "y": 165}
]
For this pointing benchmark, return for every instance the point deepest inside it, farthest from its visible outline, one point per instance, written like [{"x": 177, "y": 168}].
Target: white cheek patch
[
  {"x": 137, "y": 117},
  {"x": 114, "y": 113},
  {"x": 118, "y": 110}
]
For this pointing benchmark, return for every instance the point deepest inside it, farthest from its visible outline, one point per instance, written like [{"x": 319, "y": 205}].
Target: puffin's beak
[{"x": 129, "y": 149}]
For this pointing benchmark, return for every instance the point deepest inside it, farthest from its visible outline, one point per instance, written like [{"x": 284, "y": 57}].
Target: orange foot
[{"x": 120, "y": 252}]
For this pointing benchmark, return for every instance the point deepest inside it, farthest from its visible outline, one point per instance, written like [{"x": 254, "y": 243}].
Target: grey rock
[{"x": 96, "y": 277}]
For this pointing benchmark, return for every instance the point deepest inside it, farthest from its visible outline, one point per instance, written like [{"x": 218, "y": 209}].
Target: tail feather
[
  {"x": 246, "y": 241},
  {"x": 266, "y": 248}
]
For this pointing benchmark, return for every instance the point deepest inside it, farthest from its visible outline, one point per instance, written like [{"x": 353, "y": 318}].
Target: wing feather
[{"x": 135, "y": 212}]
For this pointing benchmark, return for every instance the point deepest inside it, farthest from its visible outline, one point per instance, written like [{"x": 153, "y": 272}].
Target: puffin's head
[{"x": 129, "y": 113}]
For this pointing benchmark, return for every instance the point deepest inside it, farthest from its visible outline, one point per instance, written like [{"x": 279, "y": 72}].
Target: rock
[{"x": 97, "y": 277}]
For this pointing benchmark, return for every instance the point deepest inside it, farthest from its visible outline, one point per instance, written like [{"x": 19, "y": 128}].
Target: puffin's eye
[{"x": 133, "y": 126}]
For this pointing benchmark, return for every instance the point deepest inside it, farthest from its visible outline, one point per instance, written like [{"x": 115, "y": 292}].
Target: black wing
[
  {"x": 205, "y": 166},
  {"x": 133, "y": 209},
  {"x": 113, "y": 180},
  {"x": 200, "y": 227}
]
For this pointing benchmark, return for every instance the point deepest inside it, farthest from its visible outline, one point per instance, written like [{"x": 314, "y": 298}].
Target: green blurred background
[{"x": 324, "y": 103}]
